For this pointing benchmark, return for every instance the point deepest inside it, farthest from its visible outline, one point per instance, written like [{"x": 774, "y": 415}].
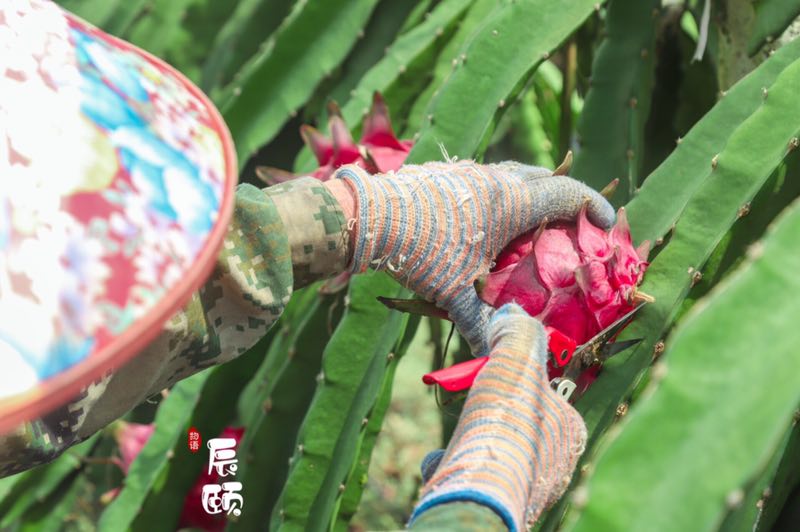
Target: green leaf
[
  {"x": 492, "y": 69},
  {"x": 8, "y": 483},
  {"x": 120, "y": 22},
  {"x": 193, "y": 40},
  {"x": 719, "y": 408},
  {"x": 752, "y": 152},
  {"x": 769, "y": 490},
  {"x": 250, "y": 25},
  {"x": 419, "y": 11},
  {"x": 112, "y": 16},
  {"x": 353, "y": 364},
  {"x": 409, "y": 49},
  {"x": 171, "y": 423},
  {"x": 687, "y": 169},
  {"x": 611, "y": 127},
  {"x": 314, "y": 39},
  {"x": 287, "y": 329},
  {"x": 97, "y": 12},
  {"x": 381, "y": 32},
  {"x": 472, "y": 20},
  {"x": 356, "y": 479},
  {"x": 37, "y": 485},
  {"x": 161, "y": 28},
  {"x": 399, "y": 55},
  {"x": 530, "y": 134},
  {"x": 772, "y": 18},
  {"x": 783, "y": 484},
  {"x": 53, "y": 513},
  {"x": 777, "y": 193},
  {"x": 271, "y": 435}
]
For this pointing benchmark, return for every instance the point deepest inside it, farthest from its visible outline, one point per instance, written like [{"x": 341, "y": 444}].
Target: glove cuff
[
  {"x": 517, "y": 441},
  {"x": 466, "y": 495},
  {"x": 364, "y": 225}
]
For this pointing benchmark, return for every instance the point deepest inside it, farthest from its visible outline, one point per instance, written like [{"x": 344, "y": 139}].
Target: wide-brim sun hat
[{"x": 117, "y": 178}]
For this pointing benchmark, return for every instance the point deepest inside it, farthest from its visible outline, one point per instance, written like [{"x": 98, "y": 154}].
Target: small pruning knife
[
  {"x": 592, "y": 353},
  {"x": 566, "y": 358}
]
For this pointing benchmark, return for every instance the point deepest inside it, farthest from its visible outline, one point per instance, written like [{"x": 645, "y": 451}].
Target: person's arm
[
  {"x": 280, "y": 239},
  {"x": 516, "y": 444},
  {"x": 434, "y": 227}
]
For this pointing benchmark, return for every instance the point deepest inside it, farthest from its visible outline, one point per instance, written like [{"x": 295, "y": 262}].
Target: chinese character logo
[
  {"x": 222, "y": 456},
  {"x": 194, "y": 440},
  {"x": 222, "y": 462},
  {"x": 223, "y": 498}
]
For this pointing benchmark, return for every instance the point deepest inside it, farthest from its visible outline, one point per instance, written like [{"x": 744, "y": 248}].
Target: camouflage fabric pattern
[
  {"x": 246, "y": 293},
  {"x": 319, "y": 237}
]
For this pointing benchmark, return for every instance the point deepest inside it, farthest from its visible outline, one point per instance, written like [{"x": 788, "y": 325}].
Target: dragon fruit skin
[
  {"x": 378, "y": 149},
  {"x": 575, "y": 278},
  {"x": 131, "y": 437}
]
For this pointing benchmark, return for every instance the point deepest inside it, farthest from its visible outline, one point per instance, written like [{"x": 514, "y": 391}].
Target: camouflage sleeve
[{"x": 280, "y": 238}]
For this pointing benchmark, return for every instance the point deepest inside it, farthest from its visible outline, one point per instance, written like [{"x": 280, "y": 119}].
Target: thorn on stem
[
  {"x": 658, "y": 349},
  {"x": 743, "y": 211},
  {"x": 642, "y": 297},
  {"x": 566, "y": 164}
]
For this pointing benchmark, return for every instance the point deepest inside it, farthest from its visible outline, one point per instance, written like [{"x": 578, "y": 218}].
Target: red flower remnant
[{"x": 378, "y": 149}]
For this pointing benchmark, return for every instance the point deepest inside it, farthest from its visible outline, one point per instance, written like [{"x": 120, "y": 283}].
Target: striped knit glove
[
  {"x": 438, "y": 226},
  {"x": 517, "y": 441}
]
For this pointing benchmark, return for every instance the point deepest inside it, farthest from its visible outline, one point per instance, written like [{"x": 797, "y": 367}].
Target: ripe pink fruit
[
  {"x": 131, "y": 437},
  {"x": 574, "y": 277},
  {"x": 378, "y": 149}
]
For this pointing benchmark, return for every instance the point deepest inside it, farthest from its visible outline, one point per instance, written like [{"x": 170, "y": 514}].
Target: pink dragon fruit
[
  {"x": 131, "y": 437},
  {"x": 378, "y": 149},
  {"x": 575, "y": 278}
]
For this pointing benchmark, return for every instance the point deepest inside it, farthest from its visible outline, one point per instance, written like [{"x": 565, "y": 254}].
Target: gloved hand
[
  {"x": 517, "y": 441},
  {"x": 438, "y": 226}
]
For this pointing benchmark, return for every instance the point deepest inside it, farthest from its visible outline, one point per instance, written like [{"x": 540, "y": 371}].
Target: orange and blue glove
[
  {"x": 438, "y": 226},
  {"x": 517, "y": 442}
]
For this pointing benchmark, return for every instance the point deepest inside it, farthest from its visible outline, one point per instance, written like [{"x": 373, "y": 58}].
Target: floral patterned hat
[{"x": 116, "y": 187}]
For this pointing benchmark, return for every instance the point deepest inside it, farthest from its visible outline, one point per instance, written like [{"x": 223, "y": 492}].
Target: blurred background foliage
[{"x": 694, "y": 105}]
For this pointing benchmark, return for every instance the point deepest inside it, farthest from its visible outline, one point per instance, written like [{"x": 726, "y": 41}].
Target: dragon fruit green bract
[
  {"x": 378, "y": 149},
  {"x": 576, "y": 278}
]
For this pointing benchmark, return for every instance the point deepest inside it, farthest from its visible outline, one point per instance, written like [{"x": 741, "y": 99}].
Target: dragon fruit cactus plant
[
  {"x": 574, "y": 277},
  {"x": 378, "y": 149}
]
